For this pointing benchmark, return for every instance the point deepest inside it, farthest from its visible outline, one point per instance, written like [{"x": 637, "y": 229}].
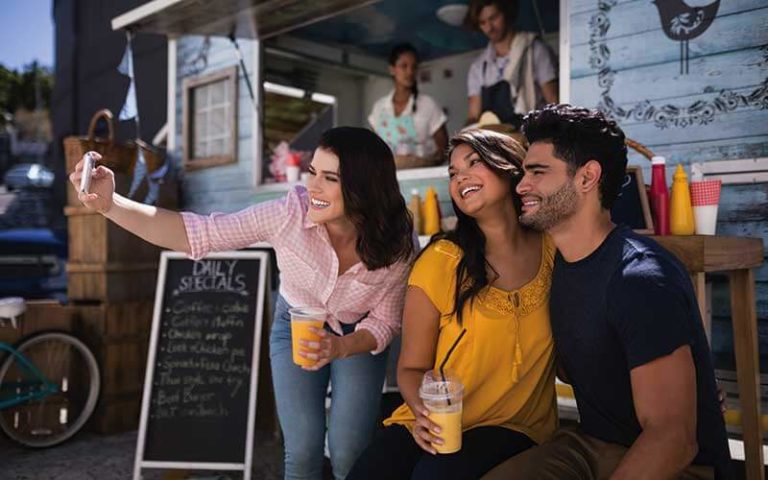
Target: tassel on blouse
[{"x": 517, "y": 358}]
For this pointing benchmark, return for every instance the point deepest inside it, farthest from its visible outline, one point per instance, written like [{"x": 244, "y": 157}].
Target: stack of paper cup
[{"x": 705, "y": 195}]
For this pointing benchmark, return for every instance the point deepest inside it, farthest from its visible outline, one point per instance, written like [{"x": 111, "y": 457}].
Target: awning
[{"x": 245, "y": 18}]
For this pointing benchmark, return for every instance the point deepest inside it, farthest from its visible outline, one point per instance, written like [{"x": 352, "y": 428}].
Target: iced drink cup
[
  {"x": 442, "y": 396},
  {"x": 302, "y": 319}
]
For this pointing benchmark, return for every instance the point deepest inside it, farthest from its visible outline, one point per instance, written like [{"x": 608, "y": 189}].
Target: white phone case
[{"x": 88, "y": 164}]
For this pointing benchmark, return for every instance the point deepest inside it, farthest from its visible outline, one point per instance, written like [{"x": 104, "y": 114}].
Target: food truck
[{"x": 250, "y": 83}]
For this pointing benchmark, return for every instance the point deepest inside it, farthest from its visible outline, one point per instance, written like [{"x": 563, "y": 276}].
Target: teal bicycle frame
[{"x": 34, "y": 386}]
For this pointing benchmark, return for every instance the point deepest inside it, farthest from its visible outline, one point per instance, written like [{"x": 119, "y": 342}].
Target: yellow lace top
[{"x": 506, "y": 358}]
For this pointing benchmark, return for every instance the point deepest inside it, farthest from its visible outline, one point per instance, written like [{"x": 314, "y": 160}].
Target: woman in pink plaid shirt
[{"x": 345, "y": 243}]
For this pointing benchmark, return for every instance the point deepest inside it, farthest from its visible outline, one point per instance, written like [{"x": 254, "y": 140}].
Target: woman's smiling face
[
  {"x": 473, "y": 184},
  {"x": 326, "y": 201}
]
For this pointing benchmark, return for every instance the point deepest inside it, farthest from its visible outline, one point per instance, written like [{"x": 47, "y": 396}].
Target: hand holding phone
[{"x": 85, "y": 180}]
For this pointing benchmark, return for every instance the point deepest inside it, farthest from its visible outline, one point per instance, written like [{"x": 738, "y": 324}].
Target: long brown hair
[
  {"x": 504, "y": 155},
  {"x": 394, "y": 56},
  {"x": 372, "y": 198}
]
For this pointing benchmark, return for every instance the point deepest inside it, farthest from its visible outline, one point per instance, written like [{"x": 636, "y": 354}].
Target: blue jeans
[{"x": 300, "y": 396}]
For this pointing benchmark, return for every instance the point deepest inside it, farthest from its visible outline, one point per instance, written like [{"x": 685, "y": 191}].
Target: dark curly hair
[
  {"x": 579, "y": 135},
  {"x": 394, "y": 55},
  {"x": 372, "y": 198},
  {"x": 504, "y": 155},
  {"x": 507, "y": 7}
]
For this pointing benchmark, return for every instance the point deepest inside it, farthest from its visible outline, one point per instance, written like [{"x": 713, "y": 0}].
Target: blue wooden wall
[
  {"x": 227, "y": 187},
  {"x": 623, "y": 63}
]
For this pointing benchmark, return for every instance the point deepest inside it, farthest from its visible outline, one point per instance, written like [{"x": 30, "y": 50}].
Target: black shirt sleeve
[{"x": 649, "y": 310}]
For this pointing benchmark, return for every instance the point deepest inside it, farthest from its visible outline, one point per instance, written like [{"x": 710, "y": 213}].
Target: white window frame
[{"x": 229, "y": 75}]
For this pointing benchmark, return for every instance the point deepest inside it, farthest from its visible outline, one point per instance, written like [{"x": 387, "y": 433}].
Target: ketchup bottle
[{"x": 659, "y": 196}]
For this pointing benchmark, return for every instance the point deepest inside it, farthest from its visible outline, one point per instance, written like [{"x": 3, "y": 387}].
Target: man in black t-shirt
[{"x": 626, "y": 324}]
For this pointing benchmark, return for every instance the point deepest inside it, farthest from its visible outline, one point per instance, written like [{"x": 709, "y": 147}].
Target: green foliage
[{"x": 25, "y": 89}]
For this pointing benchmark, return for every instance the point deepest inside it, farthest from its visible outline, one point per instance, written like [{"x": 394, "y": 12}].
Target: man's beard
[{"x": 552, "y": 209}]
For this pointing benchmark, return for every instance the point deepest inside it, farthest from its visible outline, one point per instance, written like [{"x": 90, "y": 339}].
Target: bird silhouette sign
[{"x": 682, "y": 23}]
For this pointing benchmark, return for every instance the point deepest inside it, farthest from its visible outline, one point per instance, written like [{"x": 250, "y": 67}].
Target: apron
[
  {"x": 399, "y": 133},
  {"x": 497, "y": 98}
]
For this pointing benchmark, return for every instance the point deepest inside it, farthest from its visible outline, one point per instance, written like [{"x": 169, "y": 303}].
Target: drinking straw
[{"x": 448, "y": 355}]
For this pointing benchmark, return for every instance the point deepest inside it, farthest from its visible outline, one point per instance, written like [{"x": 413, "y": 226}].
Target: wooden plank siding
[
  {"x": 623, "y": 62},
  {"x": 640, "y": 17},
  {"x": 228, "y": 187},
  {"x": 643, "y": 64}
]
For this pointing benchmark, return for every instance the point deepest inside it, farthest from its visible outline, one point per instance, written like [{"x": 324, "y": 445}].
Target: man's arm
[
  {"x": 664, "y": 395},
  {"x": 549, "y": 91},
  {"x": 473, "y": 111},
  {"x": 441, "y": 142}
]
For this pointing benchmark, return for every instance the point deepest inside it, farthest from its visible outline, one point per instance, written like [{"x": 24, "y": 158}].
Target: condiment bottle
[
  {"x": 431, "y": 213},
  {"x": 680, "y": 209},
  {"x": 414, "y": 206},
  {"x": 659, "y": 196}
]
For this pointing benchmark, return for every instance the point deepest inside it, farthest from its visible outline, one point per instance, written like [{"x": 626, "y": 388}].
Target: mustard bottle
[
  {"x": 431, "y": 213},
  {"x": 414, "y": 206},
  {"x": 680, "y": 209}
]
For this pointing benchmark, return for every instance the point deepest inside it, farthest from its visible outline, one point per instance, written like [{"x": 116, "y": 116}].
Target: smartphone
[{"x": 89, "y": 161}]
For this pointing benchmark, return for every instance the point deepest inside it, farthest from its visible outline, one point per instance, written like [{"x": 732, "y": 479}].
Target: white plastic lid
[
  {"x": 696, "y": 174},
  {"x": 658, "y": 160}
]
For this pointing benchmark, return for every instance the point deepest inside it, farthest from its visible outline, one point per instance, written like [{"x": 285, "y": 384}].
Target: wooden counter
[{"x": 735, "y": 256}]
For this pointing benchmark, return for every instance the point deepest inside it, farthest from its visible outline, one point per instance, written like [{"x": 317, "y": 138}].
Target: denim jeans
[{"x": 300, "y": 396}]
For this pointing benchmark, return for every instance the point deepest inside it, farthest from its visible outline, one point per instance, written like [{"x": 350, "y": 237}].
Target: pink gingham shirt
[{"x": 308, "y": 264}]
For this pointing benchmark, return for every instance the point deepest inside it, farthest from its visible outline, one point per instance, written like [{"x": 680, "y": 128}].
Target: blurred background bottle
[
  {"x": 659, "y": 196},
  {"x": 431, "y": 217},
  {"x": 414, "y": 206}
]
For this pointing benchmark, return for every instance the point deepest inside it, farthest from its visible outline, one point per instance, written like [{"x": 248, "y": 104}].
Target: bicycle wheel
[{"x": 67, "y": 363}]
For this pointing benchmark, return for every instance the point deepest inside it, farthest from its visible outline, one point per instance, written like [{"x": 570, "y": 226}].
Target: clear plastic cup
[
  {"x": 442, "y": 395},
  {"x": 302, "y": 319}
]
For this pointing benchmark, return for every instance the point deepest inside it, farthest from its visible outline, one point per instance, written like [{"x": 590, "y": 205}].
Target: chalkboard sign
[
  {"x": 202, "y": 367},
  {"x": 632, "y": 207}
]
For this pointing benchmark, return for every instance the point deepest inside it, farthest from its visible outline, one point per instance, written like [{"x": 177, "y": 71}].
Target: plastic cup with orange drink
[
  {"x": 302, "y": 319},
  {"x": 442, "y": 395}
]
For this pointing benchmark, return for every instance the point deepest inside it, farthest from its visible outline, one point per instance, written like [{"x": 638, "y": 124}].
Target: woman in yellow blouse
[{"x": 490, "y": 277}]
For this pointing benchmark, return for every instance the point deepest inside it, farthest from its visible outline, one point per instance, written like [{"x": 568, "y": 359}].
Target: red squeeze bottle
[{"x": 659, "y": 196}]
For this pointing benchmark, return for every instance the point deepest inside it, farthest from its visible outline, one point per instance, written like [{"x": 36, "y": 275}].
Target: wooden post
[
  {"x": 744, "y": 317},
  {"x": 700, "y": 285}
]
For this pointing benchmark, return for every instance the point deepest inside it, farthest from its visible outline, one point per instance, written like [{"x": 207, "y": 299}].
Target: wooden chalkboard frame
[
  {"x": 641, "y": 205},
  {"x": 644, "y": 203},
  {"x": 245, "y": 466}
]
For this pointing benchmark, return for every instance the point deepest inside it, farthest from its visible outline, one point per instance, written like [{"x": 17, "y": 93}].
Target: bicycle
[{"x": 49, "y": 384}]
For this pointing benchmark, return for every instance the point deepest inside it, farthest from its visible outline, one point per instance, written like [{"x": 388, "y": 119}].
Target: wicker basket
[
  {"x": 118, "y": 157},
  {"x": 639, "y": 148}
]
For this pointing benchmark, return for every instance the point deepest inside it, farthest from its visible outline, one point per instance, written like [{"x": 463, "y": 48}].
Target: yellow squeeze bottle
[
  {"x": 431, "y": 213},
  {"x": 680, "y": 209},
  {"x": 414, "y": 206}
]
